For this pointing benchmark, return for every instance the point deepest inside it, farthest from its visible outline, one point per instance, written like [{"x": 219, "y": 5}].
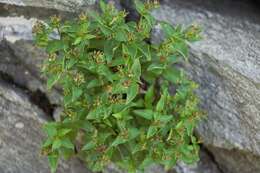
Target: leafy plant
[{"x": 125, "y": 101}]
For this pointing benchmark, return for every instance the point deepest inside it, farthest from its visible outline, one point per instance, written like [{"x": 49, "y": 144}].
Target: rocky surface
[
  {"x": 226, "y": 64},
  {"x": 20, "y": 65},
  {"x": 63, "y": 5},
  {"x": 21, "y": 137}
]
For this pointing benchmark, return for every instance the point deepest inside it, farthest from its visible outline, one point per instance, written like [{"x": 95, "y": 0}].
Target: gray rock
[
  {"x": 16, "y": 28},
  {"x": 64, "y": 5},
  {"x": 75, "y": 6},
  {"x": 226, "y": 64},
  {"x": 236, "y": 161},
  {"x": 21, "y": 136},
  {"x": 22, "y": 62}
]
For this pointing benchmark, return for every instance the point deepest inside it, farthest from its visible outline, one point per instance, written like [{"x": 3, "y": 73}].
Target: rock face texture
[
  {"x": 226, "y": 64},
  {"x": 21, "y": 137},
  {"x": 64, "y": 5}
]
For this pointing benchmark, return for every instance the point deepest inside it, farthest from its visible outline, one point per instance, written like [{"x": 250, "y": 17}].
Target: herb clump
[{"x": 117, "y": 102}]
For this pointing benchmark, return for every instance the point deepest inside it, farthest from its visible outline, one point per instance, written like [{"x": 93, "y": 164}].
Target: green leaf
[
  {"x": 119, "y": 140},
  {"x": 105, "y": 29},
  {"x": 86, "y": 125},
  {"x": 89, "y": 146},
  {"x": 148, "y": 99},
  {"x": 172, "y": 74},
  {"x": 136, "y": 148},
  {"x": 121, "y": 36},
  {"x": 50, "y": 129},
  {"x": 161, "y": 103},
  {"x": 150, "y": 20},
  {"x": 77, "y": 41},
  {"x": 104, "y": 71},
  {"x": 56, "y": 45},
  {"x": 71, "y": 63},
  {"x": 53, "y": 161},
  {"x": 109, "y": 49},
  {"x": 47, "y": 143},
  {"x": 56, "y": 144},
  {"x": 133, "y": 133},
  {"x": 139, "y": 6},
  {"x": 189, "y": 127},
  {"x": 64, "y": 132},
  {"x": 168, "y": 30},
  {"x": 118, "y": 115},
  {"x": 180, "y": 47},
  {"x": 76, "y": 93},
  {"x": 145, "y": 49},
  {"x": 102, "y": 6},
  {"x": 136, "y": 68},
  {"x": 147, "y": 161},
  {"x": 165, "y": 118},
  {"x": 151, "y": 131},
  {"x": 179, "y": 125},
  {"x": 67, "y": 143},
  {"x": 132, "y": 50},
  {"x": 89, "y": 36},
  {"x": 99, "y": 112},
  {"x": 156, "y": 66},
  {"x": 132, "y": 92},
  {"x": 94, "y": 83},
  {"x": 52, "y": 80},
  {"x": 145, "y": 113}
]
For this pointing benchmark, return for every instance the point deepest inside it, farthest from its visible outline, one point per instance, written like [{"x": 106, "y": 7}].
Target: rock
[
  {"x": 16, "y": 28},
  {"x": 20, "y": 64},
  {"x": 63, "y": 5},
  {"x": 54, "y": 6},
  {"x": 236, "y": 161},
  {"x": 226, "y": 64},
  {"x": 21, "y": 136}
]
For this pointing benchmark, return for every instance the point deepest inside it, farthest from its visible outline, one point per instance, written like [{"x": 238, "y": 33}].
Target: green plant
[{"x": 124, "y": 99}]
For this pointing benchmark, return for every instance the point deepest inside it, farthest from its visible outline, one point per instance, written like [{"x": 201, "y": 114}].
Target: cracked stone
[{"x": 21, "y": 148}]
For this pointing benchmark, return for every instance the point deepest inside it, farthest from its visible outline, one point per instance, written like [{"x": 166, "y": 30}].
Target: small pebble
[{"x": 19, "y": 125}]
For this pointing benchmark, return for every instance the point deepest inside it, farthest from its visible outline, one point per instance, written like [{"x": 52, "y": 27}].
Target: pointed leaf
[
  {"x": 161, "y": 103},
  {"x": 172, "y": 74},
  {"x": 145, "y": 49},
  {"x": 56, "y": 144},
  {"x": 136, "y": 68},
  {"x": 133, "y": 133},
  {"x": 55, "y": 45},
  {"x": 151, "y": 131},
  {"x": 165, "y": 118},
  {"x": 118, "y": 140},
  {"x": 145, "y": 113},
  {"x": 67, "y": 143},
  {"x": 132, "y": 92},
  {"x": 148, "y": 99},
  {"x": 52, "y": 80},
  {"x": 53, "y": 161},
  {"x": 76, "y": 93},
  {"x": 89, "y": 146},
  {"x": 50, "y": 129},
  {"x": 121, "y": 36}
]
